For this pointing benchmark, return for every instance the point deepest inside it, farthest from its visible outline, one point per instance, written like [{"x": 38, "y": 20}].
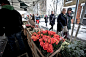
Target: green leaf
[{"x": 82, "y": 52}]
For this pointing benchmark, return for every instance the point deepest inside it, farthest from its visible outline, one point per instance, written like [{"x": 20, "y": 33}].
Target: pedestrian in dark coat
[
  {"x": 46, "y": 19},
  {"x": 52, "y": 20},
  {"x": 12, "y": 23},
  {"x": 62, "y": 21}
]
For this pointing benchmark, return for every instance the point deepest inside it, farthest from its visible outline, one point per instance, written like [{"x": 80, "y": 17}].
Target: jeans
[
  {"x": 11, "y": 41},
  {"x": 46, "y": 24}
]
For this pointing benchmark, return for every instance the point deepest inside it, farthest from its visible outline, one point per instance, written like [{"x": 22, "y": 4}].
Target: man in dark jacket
[
  {"x": 11, "y": 22},
  {"x": 52, "y": 20}
]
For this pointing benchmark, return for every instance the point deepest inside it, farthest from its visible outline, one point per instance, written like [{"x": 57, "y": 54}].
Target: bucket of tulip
[{"x": 48, "y": 43}]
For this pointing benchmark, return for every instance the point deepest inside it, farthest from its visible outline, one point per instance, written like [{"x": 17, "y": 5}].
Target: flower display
[{"x": 47, "y": 39}]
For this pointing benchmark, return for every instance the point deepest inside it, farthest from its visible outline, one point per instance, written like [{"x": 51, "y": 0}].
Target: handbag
[
  {"x": 65, "y": 29},
  {"x": 31, "y": 22}
]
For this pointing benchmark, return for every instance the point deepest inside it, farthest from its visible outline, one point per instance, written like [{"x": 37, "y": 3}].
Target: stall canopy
[{"x": 23, "y": 4}]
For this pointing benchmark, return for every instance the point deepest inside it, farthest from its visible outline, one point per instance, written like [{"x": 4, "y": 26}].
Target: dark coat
[
  {"x": 69, "y": 17},
  {"x": 52, "y": 19},
  {"x": 10, "y": 22},
  {"x": 46, "y": 19},
  {"x": 33, "y": 18},
  {"x": 61, "y": 21}
]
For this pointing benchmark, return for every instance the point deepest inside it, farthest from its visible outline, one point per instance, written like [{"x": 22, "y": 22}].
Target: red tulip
[
  {"x": 50, "y": 49},
  {"x": 40, "y": 40},
  {"x": 57, "y": 42},
  {"x": 41, "y": 35},
  {"x": 44, "y": 32},
  {"x": 57, "y": 36},
  {"x": 63, "y": 39},
  {"x": 51, "y": 32},
  {"x": 58, "y": 39},
  {"x": 39, "y": 32},
  {"x": 41, "y": 43},
  {"x": 34, "y": 34},
  {"x": 34, "y": 38},
  {"x": 53, "y": 40},
  {"x": 45, "y": 46},
  {"x": 48, "y": 37},
  {"x": 37, "y": 36},
  {"x": 45, "y": 39},
  {"x": 49, "y": 40}
]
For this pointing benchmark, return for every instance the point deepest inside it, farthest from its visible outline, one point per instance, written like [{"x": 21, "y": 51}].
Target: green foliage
[{"x": 74, "y": 49}]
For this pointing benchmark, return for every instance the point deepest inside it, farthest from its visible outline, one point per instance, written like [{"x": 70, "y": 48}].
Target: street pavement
[{"x": 81, "y": 34}]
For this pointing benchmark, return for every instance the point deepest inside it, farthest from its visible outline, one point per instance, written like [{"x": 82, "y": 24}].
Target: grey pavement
[{"x": 81, "y": 34}]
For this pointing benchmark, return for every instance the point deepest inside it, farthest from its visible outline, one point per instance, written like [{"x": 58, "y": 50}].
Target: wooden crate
[
  {"x": 35, "y": 50},
  {"x": 31, "y": 44},
  {"x": 25, "y": 31}
]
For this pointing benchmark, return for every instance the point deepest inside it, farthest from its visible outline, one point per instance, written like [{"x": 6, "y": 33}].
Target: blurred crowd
[{"x": 63, "y": 21}]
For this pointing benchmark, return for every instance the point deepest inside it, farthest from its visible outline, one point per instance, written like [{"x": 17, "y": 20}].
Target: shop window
[
  {"x": 68, "y": 0},
  {"x": 85, "y": 14}
]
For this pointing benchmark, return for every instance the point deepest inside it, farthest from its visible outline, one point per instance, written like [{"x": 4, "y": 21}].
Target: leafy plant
[{"x": 74, "y": 49}]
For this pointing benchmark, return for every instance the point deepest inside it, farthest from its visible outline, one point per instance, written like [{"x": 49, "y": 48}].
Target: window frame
[
  {"x": 85, "y": 12},
  {"x": 84, "y": 15},
  {"x": 68, "y": 1}
]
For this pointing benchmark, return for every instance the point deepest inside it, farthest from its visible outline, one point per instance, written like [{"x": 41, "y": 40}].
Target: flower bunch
[{"x": 47, "y": 39}]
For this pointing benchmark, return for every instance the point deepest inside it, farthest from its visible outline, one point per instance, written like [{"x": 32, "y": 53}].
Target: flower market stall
[{"x": 43, "y": 43}]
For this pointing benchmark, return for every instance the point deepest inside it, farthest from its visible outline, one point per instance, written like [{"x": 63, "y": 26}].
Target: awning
[{"x": 23, "y": 4}]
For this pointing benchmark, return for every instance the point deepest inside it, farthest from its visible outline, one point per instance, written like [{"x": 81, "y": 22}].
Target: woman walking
[
  {"x": 62, "y": 22},
  {"x": 46, "y": 19}
]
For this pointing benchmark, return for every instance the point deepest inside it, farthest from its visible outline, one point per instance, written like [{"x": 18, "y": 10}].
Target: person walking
[
  {"x": 52, "y": 20},
  {"x": 46, "y": 19},
  {"x": 33, "y": 17},
  {"x": 27, "y": 17},
  {"x": 62, "y": 22},
  {"x": 69, "y": 17},
  {"x": 37, "y": 19},
  {"x": 12, "y": 26}
]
